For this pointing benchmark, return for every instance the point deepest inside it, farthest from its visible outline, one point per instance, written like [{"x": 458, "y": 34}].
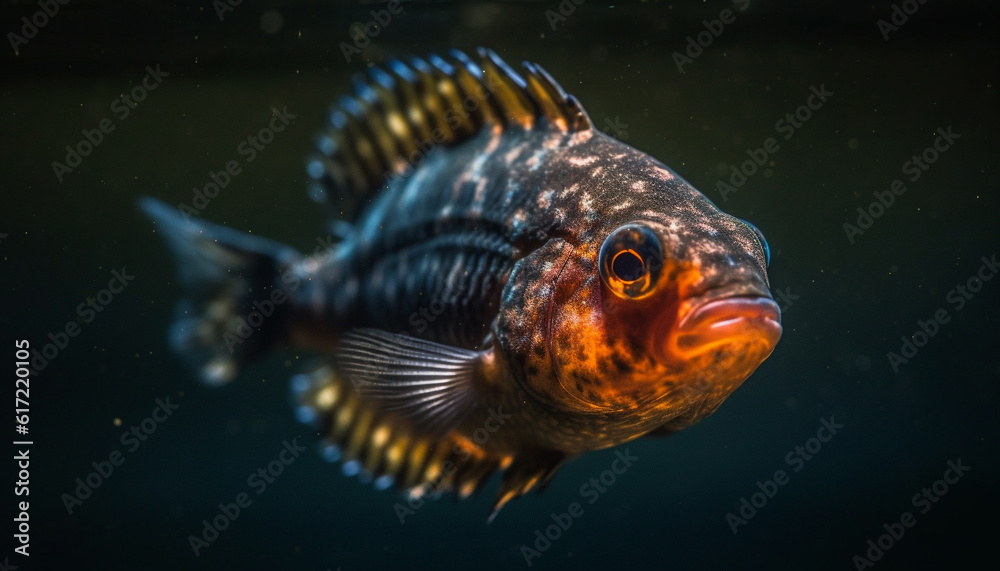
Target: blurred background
[{"x": 213, "y": 71}]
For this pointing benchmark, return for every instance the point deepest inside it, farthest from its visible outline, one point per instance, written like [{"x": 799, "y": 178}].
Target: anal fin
[
  {"x": 528, "y": 471},
  {"x": 661, "y": 431},
  {"x": 384, "y": 447}
]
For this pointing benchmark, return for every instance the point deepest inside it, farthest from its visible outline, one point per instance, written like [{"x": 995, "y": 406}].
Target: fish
[{"x": 506, "y": 288}]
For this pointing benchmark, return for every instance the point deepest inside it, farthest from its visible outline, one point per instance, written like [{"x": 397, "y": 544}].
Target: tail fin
[{"x": 228, "y": 316}]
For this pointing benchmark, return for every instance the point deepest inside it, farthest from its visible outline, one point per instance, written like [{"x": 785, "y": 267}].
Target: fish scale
[
  {"x": 512, "y": 287},
  {"x": 480, "y": 262}
]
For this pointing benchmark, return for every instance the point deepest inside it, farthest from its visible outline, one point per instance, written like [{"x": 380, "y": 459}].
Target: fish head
[{"x": 663, "y": 306}]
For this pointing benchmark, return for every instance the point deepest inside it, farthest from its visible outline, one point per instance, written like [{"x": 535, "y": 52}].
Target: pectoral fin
[{"x": 434, "y": 386}]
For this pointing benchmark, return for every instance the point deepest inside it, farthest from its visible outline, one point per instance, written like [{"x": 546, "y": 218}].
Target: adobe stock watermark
[
  {"x": 697, "y": 44},
  {"x": 86, "y": 312},
  {"x": 248, "y": 148},
  {"x": 258, "y": 480},
  {"x": 561, "y": 12},
  {"x": 31, "y": 26},
  {"x": 131, "y": 439},
  {"x": 592, "y": 490},
  {"x": 957, "y": 297},
  {"x": 796, "y": 459},
  {"x": 914, "y": 167},
  {"x": 454, "y": 116},
  {"x": 480, "y": 436},
  {"x": 785, "y": 126},
  {"x": 900, "y": 15},
  {"x": 223, "y": 7},
  {"x": 121, "y": 108},
  {"x": 264, "y": 308},
  {"x": 922, "y": 501},
  {"x": 617, "y": 128},
  {"x": 785, "y": 298},
  {"x": 421, "y": 319},
  {"x": 362, "y": 34}
]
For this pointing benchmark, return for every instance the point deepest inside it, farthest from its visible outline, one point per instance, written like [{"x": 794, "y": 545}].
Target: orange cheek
[
  {"x": 603, "y": 346},
  {"x": 598, "y": 362}
]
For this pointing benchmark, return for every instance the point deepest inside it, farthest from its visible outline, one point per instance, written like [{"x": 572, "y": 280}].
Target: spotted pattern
[{"x": 492, "y": 244}]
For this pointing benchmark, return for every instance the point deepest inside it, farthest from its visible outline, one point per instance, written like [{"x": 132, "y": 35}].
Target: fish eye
[
  {"x": 763, "y": 243},
  {"x": 631, "y": 260}
]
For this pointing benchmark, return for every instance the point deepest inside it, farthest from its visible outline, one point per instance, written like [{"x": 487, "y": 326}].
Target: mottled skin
[
  {"x": 491, "y": 248},
  {"x": 508, "y": 243}
]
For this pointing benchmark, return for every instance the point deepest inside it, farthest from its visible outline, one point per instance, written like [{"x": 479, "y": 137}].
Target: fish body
[{"x": 513, "y": 288}]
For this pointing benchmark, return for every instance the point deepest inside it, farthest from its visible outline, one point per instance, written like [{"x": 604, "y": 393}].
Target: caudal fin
[{"x": 228, "y": 315}]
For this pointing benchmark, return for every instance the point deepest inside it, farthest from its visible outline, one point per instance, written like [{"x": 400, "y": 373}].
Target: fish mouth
[{"x": 745, "y": 322}]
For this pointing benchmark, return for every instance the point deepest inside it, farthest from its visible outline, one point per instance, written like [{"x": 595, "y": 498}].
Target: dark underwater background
[{"x": 846, "y": 305}]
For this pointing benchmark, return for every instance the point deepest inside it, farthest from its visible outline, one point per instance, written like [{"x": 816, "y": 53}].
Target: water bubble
[
  {"x": 305, "y": 415},
  {"x": 383, "y": 482},
  {"x": 863, "y": 363},
  {"x": 271, "y": 22},
  {"x": 351, "y": 468},
  {"x": 330, "y": 453}
]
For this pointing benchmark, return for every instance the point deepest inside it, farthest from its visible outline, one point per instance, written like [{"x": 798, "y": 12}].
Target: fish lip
[
  {"x": 726, "y": 320},
  {"x": 744, "y": 305}
]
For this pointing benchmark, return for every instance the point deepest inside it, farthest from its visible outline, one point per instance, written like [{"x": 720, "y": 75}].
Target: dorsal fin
[{"x": 397, "y": 114}]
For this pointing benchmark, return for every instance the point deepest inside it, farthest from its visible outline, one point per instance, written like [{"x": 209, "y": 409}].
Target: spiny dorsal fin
[{"x": 399, "y": 113}]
